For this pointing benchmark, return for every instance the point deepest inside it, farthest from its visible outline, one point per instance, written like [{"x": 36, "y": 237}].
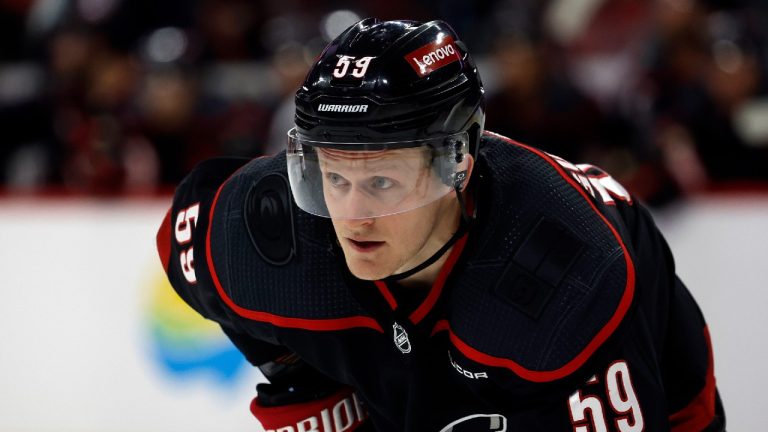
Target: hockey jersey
[{"x": 558, "y": 310}]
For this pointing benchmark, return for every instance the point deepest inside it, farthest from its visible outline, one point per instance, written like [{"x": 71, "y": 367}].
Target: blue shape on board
[{"x": 223, "y": 361}]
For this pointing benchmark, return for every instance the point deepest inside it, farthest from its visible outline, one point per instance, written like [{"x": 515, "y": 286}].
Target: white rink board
[
  {"x": 78, "y": 281},
  {"x": 721, "y": 251},
  {"x": 76, "y": 350}
]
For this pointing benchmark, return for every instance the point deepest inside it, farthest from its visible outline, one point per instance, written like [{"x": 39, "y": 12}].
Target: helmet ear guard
[{"x": 445, "y": 162}]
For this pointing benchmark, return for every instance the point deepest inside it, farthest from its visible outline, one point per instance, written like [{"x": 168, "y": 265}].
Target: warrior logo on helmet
[{"x": 344, "y": 108}]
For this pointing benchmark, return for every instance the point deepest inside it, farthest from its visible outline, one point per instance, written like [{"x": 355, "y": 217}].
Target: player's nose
[
  {"x": 358, "y": 206},
  {"x": 357, "y": 224}
]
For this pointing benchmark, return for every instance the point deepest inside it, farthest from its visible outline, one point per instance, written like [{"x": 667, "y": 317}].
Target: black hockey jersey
[{"x": 559, "y": 310}]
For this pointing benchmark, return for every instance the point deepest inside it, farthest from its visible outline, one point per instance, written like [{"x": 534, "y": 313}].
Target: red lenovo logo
[{"x": 433, "y": 56}]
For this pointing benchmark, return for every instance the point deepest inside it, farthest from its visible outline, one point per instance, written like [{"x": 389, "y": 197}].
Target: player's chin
[{"x": 366, "y": 269}]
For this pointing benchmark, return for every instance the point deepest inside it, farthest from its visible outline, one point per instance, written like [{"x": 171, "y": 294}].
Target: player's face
[
  {"x": 363, "y": 183},
  {"x": 375, "y": 248}
]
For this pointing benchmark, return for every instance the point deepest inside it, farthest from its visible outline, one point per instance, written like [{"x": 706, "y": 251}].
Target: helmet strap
[{"x": 464, "y": 224}]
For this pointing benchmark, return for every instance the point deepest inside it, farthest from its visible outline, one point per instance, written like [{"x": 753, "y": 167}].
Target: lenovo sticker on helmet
[{"x": 433, "y": 56}]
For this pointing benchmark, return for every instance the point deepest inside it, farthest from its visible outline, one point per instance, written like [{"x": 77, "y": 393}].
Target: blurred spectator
[
  {"x": 231, "y": 29},
  {"x": 12, "y": 18},
  {"x": 291, "y": 63},
  {"x": 111, "y": 96},
  {"x": 708, "y": 66},
  {"x": 602, "y": 46},
  {"x": 535, "y": 105}
]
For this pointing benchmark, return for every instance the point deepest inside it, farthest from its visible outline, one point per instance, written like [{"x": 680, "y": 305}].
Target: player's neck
[
  {"x": 425, "y": 278},
  {"x": 444, "y": 230}
]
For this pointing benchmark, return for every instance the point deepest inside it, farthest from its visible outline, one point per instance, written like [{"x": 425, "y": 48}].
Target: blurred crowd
[{"x": 113, "y": 97}]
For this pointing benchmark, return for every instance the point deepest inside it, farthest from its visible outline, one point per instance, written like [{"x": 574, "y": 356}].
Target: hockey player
[{"x": 400, "y": 269}]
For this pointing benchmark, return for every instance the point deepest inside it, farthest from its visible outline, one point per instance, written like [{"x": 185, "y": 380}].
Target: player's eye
[
  {"x": 382, "y": 183},
  {"x": 336, "y": 180}
]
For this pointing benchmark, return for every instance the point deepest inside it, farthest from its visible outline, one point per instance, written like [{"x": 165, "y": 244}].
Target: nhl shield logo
[{"x": 400, "y": 337}]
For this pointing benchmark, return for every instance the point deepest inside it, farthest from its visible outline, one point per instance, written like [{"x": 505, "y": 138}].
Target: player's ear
[{"x": 470, "y": 161}]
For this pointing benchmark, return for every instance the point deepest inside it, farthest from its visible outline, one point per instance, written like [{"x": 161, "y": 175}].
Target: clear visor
[{"x": 361, "y": 181}]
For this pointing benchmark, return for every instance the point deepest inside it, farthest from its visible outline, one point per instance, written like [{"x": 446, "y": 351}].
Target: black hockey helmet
[{"x": 382, "y": 87}]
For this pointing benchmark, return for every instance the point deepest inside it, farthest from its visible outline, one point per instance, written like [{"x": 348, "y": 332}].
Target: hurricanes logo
[
  {"x": 400, "y": 336},
  {"x": 478, "y": 422}
]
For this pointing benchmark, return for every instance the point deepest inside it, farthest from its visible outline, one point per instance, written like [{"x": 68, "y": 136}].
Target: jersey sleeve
[
  {"x": 181, "y": 246},
  {"x": 670, "y": 324},
  {"x": 664, "y": 349}
]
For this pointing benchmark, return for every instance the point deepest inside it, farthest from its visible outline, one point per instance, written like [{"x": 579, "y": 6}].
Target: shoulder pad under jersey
[
  {"x": 273, "y": 263},
  {"x": 549, "y": 279}
]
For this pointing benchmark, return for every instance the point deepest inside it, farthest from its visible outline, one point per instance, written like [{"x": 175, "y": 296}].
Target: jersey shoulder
[
  {"x": 258, "y": 259},
  {"x": 550, "y": 279},
  {"x": 181, "y": 236}
]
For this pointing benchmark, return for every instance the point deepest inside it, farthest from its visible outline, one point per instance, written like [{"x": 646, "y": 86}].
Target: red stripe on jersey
[
  {"x": 518, "y": 369},
  {"x": 445, "y": 270},
  {"x": 277, "y": 320},
  {"x": 437, "y": 286},
  {"x": 163, "y": 240},
  {"x": 598, "y": 339},
  {"x": 700, "y": 412},
  {"x": 384, "y": 290},
  {"x": 441, "y": 325}
]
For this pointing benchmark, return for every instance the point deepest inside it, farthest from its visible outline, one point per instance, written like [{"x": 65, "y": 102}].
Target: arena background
[{"x": 106, "y": 104}]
